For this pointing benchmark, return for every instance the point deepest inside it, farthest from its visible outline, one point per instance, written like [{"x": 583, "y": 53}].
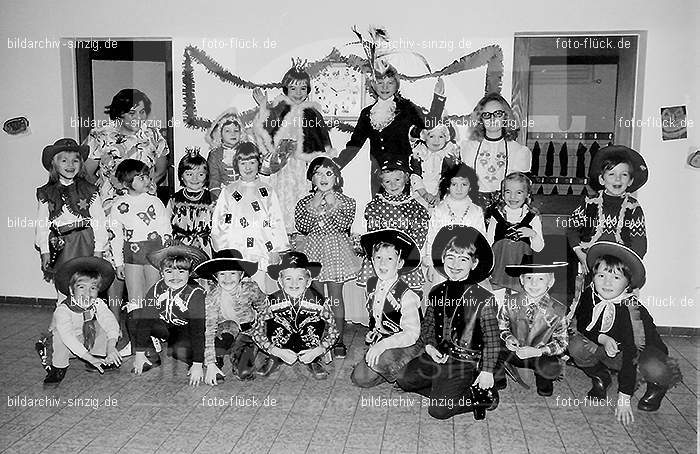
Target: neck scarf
[
  {"x": 605, "y": 309},
  {"x": 89, "y": 319}
]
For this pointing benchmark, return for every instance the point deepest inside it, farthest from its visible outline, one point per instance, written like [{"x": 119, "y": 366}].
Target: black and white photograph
[{"x": 363, "y": 227}]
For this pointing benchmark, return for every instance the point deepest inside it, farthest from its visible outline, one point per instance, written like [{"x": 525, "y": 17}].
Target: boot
[
  {"x": 273, "y": 363},
  {"x": 651, "y": 400},
  {"x": 545, "y": 386},
  {"x": 600, "y": 380},
  {"x": 55, "y": 375}
]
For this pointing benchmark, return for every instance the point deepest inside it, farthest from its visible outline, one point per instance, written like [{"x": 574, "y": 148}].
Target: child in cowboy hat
[
  {"x": 459, "y": 331},
  {"x": 612, "y": 214},
  {"x": 231, "y": 307},
  {"x": 533, "y": 326},
  {"x": 614, "y": 331},
  {"x": 82, "y": 324},
  {"x": 393, "y": 307},
  {"x": 295, "y": 323},
  {"x": 172, "y": 310}
]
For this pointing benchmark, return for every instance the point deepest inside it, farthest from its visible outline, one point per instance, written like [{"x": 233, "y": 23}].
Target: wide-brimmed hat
[
  {"x": 625, "y": 254},
  {"x": 60, "y": 145},
  {"x": 408, "y": 249},
  {"x": 324, "y": 161},
  {"x": 465, "y": 235},
  {"x": 535, "y": 268},
  {"x": 394, "y": 163},
  {"x": 66, "y": 271},
  {"x": 178, "y": 250},
  {"x": 296, "y": 260},
  {"x": 640, "y": 170},
  {"x": 225, "y": 260}
]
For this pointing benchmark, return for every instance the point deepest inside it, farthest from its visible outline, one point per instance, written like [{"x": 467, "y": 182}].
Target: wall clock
[{"x": 340, "y": 91}]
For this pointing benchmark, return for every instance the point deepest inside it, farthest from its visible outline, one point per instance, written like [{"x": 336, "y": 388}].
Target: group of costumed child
[{"x": 455, "y": 303}]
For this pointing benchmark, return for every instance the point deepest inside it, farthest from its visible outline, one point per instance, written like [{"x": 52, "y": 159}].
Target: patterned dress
[
  {"x": 110, "y": 147},
  {"x": 400, "y": 212},
  {"x": 190, "y": 216},
  {"x": 327, "y": 238}
]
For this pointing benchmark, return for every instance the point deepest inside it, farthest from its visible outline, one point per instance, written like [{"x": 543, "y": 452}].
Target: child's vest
[
  {"x": 538, "y": 331},
  {"x": 390, "y": 322},
  {"x": 506, "y": 229},
  {"x": 76, "y": 197},
  {"x": 173, "y": 306},
  {"x": 458, "y": 333},
  {"x": 296, "y": 323}
]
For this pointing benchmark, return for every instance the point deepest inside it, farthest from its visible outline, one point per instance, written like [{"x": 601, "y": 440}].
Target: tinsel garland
[{"x": 489, "y": 56}]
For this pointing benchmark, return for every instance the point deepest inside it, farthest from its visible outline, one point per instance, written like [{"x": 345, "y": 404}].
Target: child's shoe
[
  {"x": 317, "y": 370},
  {"x": 269, "y": 367},
  {"x": 600, "y": 380},
  {"x": 126, "y": 351},
  {"x": 545, "y": 387},
  {"x": 156, "y": 344},
  {"x": 55, "y": 375},
  {"x": 340, "y": 350},
  {"x": 651, "y": 400}
]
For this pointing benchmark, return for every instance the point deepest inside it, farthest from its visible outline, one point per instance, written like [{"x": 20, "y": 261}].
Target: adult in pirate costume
[
  {"x": 615, "y": 331},
  {"x": 295, "y": 323},
  {"x": 393, "y": 307},
  {"x": 460, "y": 331},
  {"x": 533, "y": 326}
]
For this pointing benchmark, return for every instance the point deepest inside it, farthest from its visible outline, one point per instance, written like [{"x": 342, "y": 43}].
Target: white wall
[{"x": 33, "y": 85}]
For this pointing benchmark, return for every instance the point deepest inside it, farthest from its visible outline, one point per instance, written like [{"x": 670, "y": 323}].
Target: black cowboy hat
[
  {"x": 60, "y": 145},
  {"x": 179, "y": 250},
  {"x": 529, "y": 268},
  {"x": 65, "y": 271},
  {"x": 408, "y": 249},
  {"x": 627, "y": 255},
  {"x": 294, "y": 259},
  {"x": 225, "y": 260},
  {"x": 466, "y": 235},
  {"x": 640, "y": 170}
]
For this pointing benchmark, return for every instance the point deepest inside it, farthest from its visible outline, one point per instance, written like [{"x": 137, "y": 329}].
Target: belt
[{"x": 74, "y": 227}]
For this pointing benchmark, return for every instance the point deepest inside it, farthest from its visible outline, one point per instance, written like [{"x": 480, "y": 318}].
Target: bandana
[
  {"x": 605, "y": 309},
  {"x": 89, "y": 318}
]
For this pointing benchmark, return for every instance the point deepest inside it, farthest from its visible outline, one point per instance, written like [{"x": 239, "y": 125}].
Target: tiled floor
[{"x": 293, "y": 413}]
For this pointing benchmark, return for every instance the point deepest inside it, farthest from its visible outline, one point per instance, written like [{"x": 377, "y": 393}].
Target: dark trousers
[
  {"x": 446, "y": 385},
  {"x": 241, "y": 348},
  {"x": 546, "y": 367},
  {"x": 177, "y": 337}
]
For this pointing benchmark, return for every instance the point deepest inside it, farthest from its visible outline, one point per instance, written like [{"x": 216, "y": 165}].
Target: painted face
[
  {"x": 393, "y": 181},
  {"x": 229, "y": 280},
  {"x": 133, "y": 119},
  {"x": 385, "y": 87},
  {"x": 67, "y": 164},
  {"x": 537, "y": 284},
  {"x": 497, "y": 116},
  {"x": 616, "y": 180},
  {"x": 175, "y": 278},
  {"x": 609, "y": 283},
  {"x": 194, "y": 178},
  {"x": 230, "y": 135},
  {"x": 248, "y": 168},
  {"x": 458, "y": 265},
  {"x": 437, "y": 139},
  {"x": 387, "y": 262},
  {"x": 459, "y": 188},
  {"x": 515, "y": 193},
  {"x": 294, "y": 281},
  {"x": 140, "y": 184},
  {"x": 297, "y": 91},
  {"x": 84, "y": 291}
]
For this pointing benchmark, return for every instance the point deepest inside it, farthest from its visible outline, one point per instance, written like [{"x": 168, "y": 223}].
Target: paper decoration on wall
[
  {"x": 673, "y": 123},
  {"x": 489, "y": 56},
  {"x": 16, "y": 126}
]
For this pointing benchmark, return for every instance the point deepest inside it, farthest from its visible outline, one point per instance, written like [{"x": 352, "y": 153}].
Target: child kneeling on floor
[
  {"x": 295, "y": 323},
  {"x": 460, "y": 331},
  {"x": 82, "y": 324},
  {"x": 231, "y": 307},
  {"x": 615, "y": 331},
  {"x": 394, "y": 309},
  {"x": 173, "y": 310}
]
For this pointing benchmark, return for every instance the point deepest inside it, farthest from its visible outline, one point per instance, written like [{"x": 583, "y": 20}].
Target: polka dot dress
[{"x": 401, "y": 212}]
